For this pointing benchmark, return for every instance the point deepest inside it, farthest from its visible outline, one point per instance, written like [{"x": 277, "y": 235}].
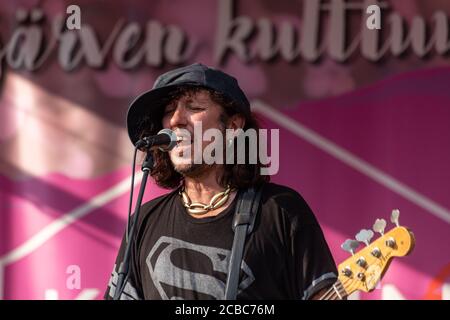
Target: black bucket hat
[{"x": 151, "y": 103}]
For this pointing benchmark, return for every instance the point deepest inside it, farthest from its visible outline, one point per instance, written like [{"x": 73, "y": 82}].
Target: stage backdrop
[{"x": 364, "y": 120}]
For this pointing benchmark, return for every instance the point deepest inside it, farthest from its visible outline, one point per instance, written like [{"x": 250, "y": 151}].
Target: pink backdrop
[{"x": 358, "y": 139}]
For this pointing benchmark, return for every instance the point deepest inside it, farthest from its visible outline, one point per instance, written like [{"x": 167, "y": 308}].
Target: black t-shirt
[{"x": 177, "y": 256}]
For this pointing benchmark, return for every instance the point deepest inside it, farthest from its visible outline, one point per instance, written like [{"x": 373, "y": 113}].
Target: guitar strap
[{"x": 243, "y": 224}]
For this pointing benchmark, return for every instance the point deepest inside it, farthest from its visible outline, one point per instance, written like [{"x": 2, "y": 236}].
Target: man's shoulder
[
  {"x": 287, "y": 201},
  {"x": 156, "y": 201},
  {"x": 282, "y": 195},
  {"x": 148, "y": 207}
]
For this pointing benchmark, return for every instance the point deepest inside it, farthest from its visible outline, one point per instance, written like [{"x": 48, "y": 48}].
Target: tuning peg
[
  {"x": 364, "y": 236},
  {"x": 379, "y": 226},
  {"x": 394, "y": 217},
  {"x": 350, "y": 246}
]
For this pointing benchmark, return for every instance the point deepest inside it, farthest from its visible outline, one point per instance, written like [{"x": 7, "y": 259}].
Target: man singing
[{"x": 182, "y": 241}]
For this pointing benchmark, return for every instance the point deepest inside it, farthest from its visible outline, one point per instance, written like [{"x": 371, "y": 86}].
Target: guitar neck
[
  {"x": 365, "y": 268},
  {"x": 336, "y": 292}
]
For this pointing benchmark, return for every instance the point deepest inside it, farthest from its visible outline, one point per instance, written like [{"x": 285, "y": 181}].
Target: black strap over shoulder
[{"x": 243, "y": 224}]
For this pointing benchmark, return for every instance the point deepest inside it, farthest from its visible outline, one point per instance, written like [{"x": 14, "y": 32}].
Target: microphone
[{"x": 165, "y": 140}]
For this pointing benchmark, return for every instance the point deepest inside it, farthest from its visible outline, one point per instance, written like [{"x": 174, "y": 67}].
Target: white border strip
[{"x": 352, "y": 161}]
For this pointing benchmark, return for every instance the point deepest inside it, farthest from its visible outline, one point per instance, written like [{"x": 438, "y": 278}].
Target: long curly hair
[{"x": 235, "y": 175}]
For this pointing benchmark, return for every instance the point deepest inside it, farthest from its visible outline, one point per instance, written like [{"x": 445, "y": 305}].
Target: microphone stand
[{"x": 147, "y": 166}]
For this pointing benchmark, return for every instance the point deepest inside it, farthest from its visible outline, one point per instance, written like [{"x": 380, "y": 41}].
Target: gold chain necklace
[{"x": 197, "y": 208}]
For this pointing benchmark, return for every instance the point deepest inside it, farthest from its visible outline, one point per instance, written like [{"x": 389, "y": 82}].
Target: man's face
[{"x": 181, "y": 115}]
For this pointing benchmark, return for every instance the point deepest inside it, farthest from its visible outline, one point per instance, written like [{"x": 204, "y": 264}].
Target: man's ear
[{"x": 236, "y": 121}]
